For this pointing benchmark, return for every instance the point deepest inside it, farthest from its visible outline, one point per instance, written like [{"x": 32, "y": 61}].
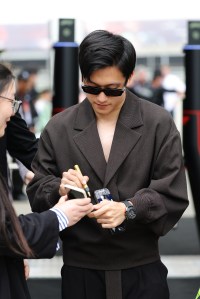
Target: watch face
[{"x": 130, "y": 214}]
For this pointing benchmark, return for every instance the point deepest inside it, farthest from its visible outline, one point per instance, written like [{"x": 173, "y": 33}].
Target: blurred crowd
[
  {"x": 36, "y": 110},
  {"x": 163, "y": 88},
  {"x": 36, "y": 106}
]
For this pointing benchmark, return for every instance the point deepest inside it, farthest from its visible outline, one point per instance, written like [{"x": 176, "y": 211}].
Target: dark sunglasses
[{"x": 109, "y": 92}]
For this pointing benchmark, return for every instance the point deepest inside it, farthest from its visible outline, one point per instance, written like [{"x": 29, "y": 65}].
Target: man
[{"x": 129, "y": 146}]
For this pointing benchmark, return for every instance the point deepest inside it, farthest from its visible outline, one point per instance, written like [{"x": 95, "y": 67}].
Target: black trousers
[{"x": 142, "y": 282}]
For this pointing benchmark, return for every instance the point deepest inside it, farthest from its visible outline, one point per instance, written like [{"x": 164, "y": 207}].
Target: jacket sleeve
[
  {"x": 162, "y": 204},
  {"x": 21, "y": 142},
  {"x": 43, "y": 190},
  {"x": 41, "y": 231}
]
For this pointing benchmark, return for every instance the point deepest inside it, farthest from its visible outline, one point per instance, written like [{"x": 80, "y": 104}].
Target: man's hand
[
  {"x": 109, "y": 213},
  {"x": 28, "y": 177},
  {"x": 74, "y": 178}
]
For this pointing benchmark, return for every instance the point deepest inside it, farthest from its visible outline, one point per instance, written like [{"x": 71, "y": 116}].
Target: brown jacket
[{"x": 145, "y": 165}]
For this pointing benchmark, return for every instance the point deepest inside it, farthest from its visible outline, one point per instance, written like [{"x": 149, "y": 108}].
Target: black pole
[
  {"x": 191, "y": 128},
  {"x": 66, "y": 76}
]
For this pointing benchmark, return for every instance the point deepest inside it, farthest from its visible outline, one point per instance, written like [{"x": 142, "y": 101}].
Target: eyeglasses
[
  {"x": 15, "y": 103},
  {"x": 109, "y": 92}
]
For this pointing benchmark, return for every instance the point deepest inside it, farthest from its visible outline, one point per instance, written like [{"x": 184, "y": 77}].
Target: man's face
[{"x": 112, "y": 78}]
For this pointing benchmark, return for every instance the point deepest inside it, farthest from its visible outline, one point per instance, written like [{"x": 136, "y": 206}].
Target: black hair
[
  {"x": 101, "y": 49},
  {"x": 23, "y": 76},
  {"x": 10, "y": 229},
  {"x": 157, "y": 73},
  {"x": 6, "y": 77}
]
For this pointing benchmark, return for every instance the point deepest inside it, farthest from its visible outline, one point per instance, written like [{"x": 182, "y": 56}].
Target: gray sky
[{"x": 38, "y": 11}]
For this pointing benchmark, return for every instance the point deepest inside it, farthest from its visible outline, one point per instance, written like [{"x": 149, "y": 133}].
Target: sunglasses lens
[
  {"x": 91, "y": 90},
  {"x": 113, "y": 92},
  {"x": 109, "y": 92}
]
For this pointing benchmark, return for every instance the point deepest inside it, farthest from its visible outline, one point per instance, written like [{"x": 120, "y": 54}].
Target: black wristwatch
[{"x": 130, "y": 213}]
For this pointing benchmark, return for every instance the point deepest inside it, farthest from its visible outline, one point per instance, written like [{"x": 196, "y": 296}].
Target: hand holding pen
[
  {"x": 74, "y": 178},
  {"x": 85, "y": 186}
]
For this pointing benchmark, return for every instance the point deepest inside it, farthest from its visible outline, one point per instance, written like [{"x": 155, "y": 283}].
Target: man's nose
[{"x": 102, "y": 97}]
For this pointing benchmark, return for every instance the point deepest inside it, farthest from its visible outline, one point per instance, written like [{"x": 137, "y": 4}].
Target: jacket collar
[{"x": 125, "y": 137}]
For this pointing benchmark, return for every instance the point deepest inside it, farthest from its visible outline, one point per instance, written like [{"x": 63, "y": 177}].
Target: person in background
[
  {"x": 33, "y": 77},
  {"x": 21, "y": 145},
  {"x": 18, "y": 144},
  {"x": 20, "y": 141},
  {"x": 140, "y": 84},
  {"x": 157, "y": 88},
  {"x": 132, "y": 148},
  {"x": 173, "y": 101},
  {"x": 43, "y": 106},
  {"x": 24, "y": 93},
  {"x": 172, "y": 82},
  {"x": 33, "y": 235}
]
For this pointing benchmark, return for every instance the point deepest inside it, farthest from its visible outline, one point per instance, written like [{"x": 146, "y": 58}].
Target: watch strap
[{"x": 130, "y": 211}]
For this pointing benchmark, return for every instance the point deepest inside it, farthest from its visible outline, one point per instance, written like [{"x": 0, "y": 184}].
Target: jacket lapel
[
  {"x": 87, "y": 139},
  {"x": 125, "y": 137}
]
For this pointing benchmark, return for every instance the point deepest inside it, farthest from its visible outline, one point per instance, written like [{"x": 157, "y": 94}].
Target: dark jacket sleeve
[
  {"x": 41, "y": 231},
  {"x": 163, "y": 202},
  {"x": 21, "y": 142},
  {"x": 43, "y": 190}
]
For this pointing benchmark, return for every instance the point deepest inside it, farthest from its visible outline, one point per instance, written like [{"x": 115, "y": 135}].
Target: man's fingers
[{"x": 82, "y": 201}]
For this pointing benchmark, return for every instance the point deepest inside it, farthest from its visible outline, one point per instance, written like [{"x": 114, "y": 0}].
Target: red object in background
[{"x": 191, "y": 120}]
